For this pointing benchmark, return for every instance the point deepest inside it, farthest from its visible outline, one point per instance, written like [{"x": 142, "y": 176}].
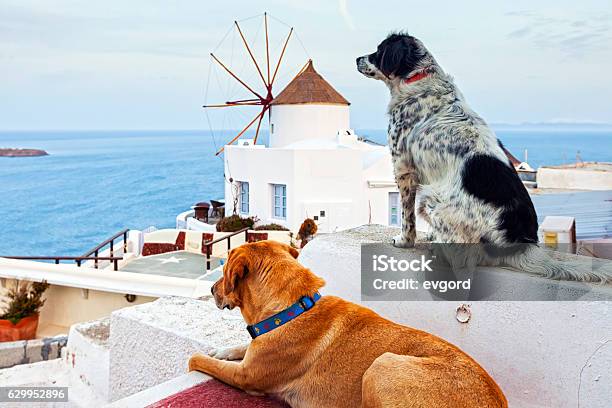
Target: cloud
[
  {"x": 344, "y": 12},
  {"x": 521, "y": 13},
  {"x": 521, "y": 32},
  {"x": 571, "y": 36},
  {"x": 30, "y": 33}
]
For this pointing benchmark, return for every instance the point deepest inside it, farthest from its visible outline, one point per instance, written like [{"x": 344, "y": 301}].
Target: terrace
[
  {"x": 563, "y": 363},
  {"x": 129, "y": 268}
]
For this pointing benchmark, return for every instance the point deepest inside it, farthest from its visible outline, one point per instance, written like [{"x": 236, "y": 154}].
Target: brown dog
[{"x": 337, "y": 354}]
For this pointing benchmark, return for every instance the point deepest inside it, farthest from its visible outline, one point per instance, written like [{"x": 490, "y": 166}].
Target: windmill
[{"x": 259, "y": 90}]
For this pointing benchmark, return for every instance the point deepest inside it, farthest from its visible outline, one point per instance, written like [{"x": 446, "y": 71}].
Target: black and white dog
[{"x": 468, "y": 190}]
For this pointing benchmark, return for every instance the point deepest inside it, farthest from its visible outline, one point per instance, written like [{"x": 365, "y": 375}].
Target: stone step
[
  {"x": 31, "y": 351},
  {"x": 88, "y": 355}
]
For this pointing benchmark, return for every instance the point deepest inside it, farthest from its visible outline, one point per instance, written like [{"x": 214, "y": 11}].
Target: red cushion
[{"x": 215, "y": 394}]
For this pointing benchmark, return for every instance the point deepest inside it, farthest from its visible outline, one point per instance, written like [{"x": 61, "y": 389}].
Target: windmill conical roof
[{"x": 309, "y": 87}]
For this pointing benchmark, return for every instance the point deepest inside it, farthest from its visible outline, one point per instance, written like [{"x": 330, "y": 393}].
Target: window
[
  {"x": 279, "y": 201},
  {"x": 394, "y": 209},
  {"x": 244, "y": 197}
]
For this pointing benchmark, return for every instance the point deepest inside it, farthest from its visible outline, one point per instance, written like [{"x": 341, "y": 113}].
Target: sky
[{"x": 145, "y": 64}]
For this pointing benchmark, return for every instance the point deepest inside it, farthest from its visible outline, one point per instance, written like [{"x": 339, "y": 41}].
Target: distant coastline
[{"x": 22, "y": 153}]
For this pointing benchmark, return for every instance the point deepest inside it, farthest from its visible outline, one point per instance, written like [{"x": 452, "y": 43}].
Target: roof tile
[{"x": 309, "y": 87}]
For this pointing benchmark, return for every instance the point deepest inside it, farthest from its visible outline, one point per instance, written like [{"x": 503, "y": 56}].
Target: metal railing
[
  {"x": 111, "y": 242},
  {"x": 87, "y": 256},
  {"x": 209, "y": 244},
  {"x": 78, "y": 259}
]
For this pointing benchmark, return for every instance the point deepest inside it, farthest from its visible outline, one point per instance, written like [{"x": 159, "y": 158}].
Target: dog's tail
[{"x": 535, "y": 259}]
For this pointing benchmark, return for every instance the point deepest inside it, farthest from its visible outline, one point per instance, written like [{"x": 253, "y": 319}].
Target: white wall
[
  {"x": 88, "y": 355},
  {"x": 542, "y": 354},
  {"x": 66, "y": 305},
  {"x": 317, "y": 179},
  {"x": 329, "y": 180},
  {"x": 259, "y": 167},
  {"x": 292, "y": 123},
  {"x": 380, "y": 174},
  {"x": 377, "y": 204},
  {"x": 322, "y": 179},
  {"x": 579, "y": 179}
]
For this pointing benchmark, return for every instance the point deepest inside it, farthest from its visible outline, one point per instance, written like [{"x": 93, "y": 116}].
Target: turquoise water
[{"x": 94, "y": 184}]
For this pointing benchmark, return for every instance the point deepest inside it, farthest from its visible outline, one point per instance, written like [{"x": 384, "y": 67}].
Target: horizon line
[{"x": 144, "y": 129}]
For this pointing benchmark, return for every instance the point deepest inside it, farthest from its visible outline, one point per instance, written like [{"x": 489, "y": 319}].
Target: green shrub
[
  {"x": 25, "y": 299},
  {"x": 234, "y": 223},
  {"x": 271, "y": 227}
]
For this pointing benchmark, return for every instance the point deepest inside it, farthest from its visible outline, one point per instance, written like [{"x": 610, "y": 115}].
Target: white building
[{"x": 314, "y": 167}]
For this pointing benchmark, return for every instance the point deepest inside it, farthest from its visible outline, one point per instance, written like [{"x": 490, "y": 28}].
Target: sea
[{"x": 95, "y": 183}]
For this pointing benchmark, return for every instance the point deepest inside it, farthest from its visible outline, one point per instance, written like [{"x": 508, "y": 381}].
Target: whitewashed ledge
[
  {"x": 104, "y": 280},
  {"x": 542, "y": 354},
  {"x": 151, "y": 343}
]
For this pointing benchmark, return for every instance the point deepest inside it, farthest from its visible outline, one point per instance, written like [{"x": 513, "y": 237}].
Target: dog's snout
[
  {"x": 212, "y": 289},
  {"x": 363, "y": 66}
]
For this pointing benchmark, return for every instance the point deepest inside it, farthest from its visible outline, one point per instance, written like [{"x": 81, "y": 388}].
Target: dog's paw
[
  {"x": 194, "y": 362},
  {"x": 429, "y": 238},
  {"x": 400, "y": 241},
  {"x": 230, "y": 354},
  {"x": 222, "y": 354}
]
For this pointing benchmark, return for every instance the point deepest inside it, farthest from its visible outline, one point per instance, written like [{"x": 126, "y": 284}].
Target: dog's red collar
[{"x": 416, "y": 77}]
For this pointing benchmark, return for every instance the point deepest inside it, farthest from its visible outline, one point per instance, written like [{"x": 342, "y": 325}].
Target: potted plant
[
  {"x": 20, "y": 318},
  {"x": 235, "y": 223},
  {"x": 271, "y": 227}
]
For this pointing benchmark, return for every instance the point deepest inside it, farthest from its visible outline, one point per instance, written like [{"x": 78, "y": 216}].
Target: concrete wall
[
  {"x": 66, "y": 306},
  {"x": 88, "y": 356},
  {"x": 542, "y": 354},
  {"x": 292, "y": 123},
  {"x": 579, "y": 179},
  {"x": 174, "y": 329}
]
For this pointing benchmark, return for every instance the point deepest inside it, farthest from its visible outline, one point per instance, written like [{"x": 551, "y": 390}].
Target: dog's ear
[
  {"x": 235, "y": 270},
  {"x": 399, "y": 57},
  {"x": 294, "y": 252}
]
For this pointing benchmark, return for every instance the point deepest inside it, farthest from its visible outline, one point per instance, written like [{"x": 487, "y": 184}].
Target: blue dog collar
[{"x": 304, "y": 304}]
